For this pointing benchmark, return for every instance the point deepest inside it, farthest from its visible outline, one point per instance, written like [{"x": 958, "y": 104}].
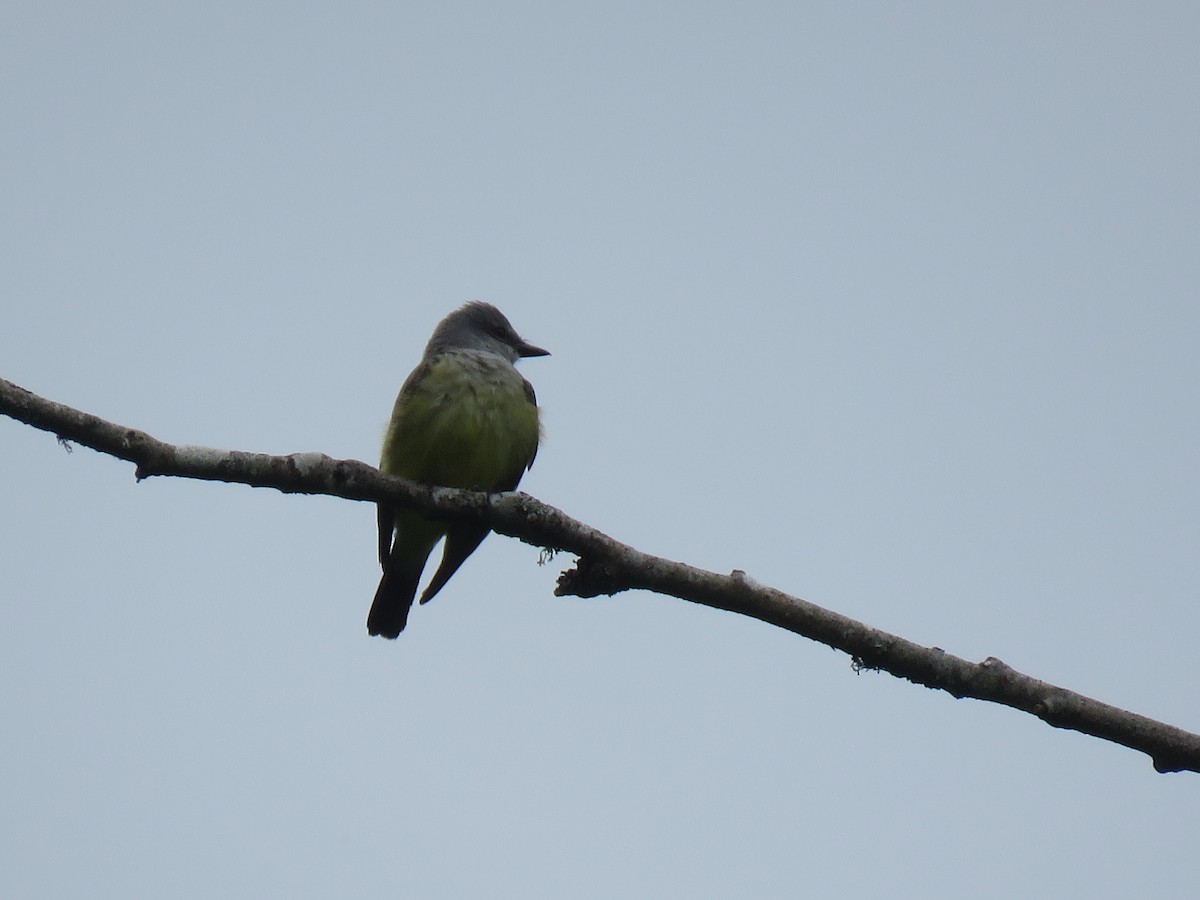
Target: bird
[{"x": 464, "y": 418}]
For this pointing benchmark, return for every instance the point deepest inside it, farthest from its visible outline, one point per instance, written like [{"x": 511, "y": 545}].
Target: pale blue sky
[{"x": 893, "y": 306}]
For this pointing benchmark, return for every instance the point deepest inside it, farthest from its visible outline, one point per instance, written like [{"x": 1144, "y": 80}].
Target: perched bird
[{"x": 464, "y": 418}]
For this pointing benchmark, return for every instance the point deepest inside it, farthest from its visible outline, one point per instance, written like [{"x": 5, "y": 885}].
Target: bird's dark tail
[{"x": 393, "y": 598}]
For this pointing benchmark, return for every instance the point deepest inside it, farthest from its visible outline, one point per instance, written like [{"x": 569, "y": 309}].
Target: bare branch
[{"x": 606, "y": 566}]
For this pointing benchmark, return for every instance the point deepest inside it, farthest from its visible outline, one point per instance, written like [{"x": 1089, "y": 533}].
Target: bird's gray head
[{"x": 480, "y": 326}]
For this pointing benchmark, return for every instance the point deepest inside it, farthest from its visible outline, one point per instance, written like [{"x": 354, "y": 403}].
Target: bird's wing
[
  {"x": 461, "y": 542},
  {"x": 385, "y": 515}
]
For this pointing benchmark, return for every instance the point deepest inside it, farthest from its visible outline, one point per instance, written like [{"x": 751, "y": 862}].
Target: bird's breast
[{"x": 466, "y": 421}]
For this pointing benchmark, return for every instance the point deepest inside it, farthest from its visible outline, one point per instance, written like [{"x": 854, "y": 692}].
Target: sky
[{"x": 892, "y": 306}]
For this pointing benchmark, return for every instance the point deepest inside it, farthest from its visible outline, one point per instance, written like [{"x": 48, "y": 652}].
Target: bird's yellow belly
[{"x": 466, "y": 423}]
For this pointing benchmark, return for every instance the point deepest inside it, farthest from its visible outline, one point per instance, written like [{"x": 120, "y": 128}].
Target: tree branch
[{"x": 606, "y": 566}]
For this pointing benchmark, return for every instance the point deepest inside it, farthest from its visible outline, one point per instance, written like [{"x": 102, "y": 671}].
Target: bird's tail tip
[{"x": 393, "y": 599}]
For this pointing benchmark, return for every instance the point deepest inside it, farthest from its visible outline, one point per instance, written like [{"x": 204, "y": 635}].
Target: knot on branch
[{"x": 591, "y": 578}]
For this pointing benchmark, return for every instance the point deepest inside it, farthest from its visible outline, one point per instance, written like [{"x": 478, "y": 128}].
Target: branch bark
[{"x": 606, "y": 566}]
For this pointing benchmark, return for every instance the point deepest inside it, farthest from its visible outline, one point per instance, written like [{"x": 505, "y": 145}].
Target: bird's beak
[{"x": 525, "y": 350}]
